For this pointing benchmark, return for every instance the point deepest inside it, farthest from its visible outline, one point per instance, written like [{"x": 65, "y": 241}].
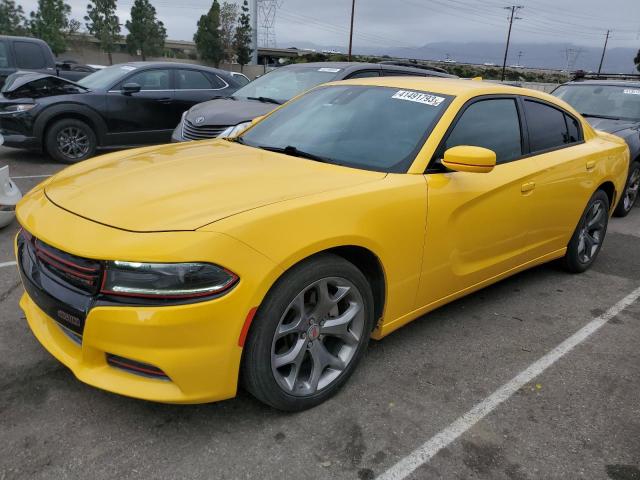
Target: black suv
[
  {"x": 611, "y": 103},
  {"x": 136, "y": 103},
  {"x": 225, "y": 117}
]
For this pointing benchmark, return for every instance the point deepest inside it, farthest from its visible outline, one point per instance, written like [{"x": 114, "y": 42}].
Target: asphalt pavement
[{"x": 579, "y": 418}]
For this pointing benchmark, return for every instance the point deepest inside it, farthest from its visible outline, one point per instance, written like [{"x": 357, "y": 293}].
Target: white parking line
[
  {"x": 30, "y": 176},
  {"x": 430, "y": 448},
  {"x": 7, "y": 264}
]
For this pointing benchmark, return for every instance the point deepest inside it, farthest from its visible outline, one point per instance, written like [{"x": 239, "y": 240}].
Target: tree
[
  {"x": 103, "y": 23},
  {"x": 51, "y": 23},
  {"x": 637, "y": 61},
  {"x": 228, "y": 21},
  {"x": 208, "y": 36},
  {"x": 242, "y": 40},
  {"x": 12, "y": 19},
  {"x": 146, "y": 33}
]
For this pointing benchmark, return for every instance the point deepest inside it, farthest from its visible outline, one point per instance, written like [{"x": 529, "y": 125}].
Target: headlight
[
  {"x": 233, "y": 131},
  {"x": 18, "y": 107},
  {"x": 166, "y": 280}
]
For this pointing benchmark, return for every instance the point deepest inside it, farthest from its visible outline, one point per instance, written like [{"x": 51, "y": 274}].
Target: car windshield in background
[
  {"x": 373, "y": 128},
  {"x": 282, "y": 85},
  {"x": 105, "y": 78},
  {"x": 607, "y": 101}
]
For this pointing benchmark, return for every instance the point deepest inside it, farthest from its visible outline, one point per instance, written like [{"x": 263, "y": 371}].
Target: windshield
[
  {"x": 106, "y": 78},
  {"x": 284, "y": 84},
  {"x": 373, "y": 128},
  {"x": 608, "y": 101}
]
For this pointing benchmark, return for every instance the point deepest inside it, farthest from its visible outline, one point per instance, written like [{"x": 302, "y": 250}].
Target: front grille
[
  {"x": 82, "y": 273},
  {"x": 191, "y": 131}
]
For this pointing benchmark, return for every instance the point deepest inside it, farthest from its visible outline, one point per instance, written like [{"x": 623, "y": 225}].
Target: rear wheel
[
  {"x": 309, "y": 334},
  {"x": 70, "y": 141},
  {"x": 631, "y": 192},
  {"x": 589, "y": 235}
]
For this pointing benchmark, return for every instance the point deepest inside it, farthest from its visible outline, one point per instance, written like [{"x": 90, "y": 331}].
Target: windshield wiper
[
  {"x": 266, "y": 100},
  {"x": 294, "y": 152},
  {"x": 593, "y": 115}
]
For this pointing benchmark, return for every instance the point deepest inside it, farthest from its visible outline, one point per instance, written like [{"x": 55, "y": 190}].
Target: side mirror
[
  {"x": 466, "y": 158},
  {"x": 129, "y": 88}
]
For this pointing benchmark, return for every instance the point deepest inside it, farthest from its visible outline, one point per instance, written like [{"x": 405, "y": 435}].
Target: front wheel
[
  {"x": 309, "y": 334},
  {"x": 70, "y": 141},
  {"x": 588, "y": 237},
  {"x": 631, "y": 192}
]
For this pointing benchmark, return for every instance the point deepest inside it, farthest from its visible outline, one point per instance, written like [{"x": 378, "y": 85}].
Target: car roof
[
  {"x": 350, "y": 67},
  {"x": 610, "y": 83},
  {"x": 141, "y": 65}
]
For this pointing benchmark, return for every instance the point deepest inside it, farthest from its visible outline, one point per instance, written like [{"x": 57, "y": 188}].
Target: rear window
[{"x": 29, "y": 56}]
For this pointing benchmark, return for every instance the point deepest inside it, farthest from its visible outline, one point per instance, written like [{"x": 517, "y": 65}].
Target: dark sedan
[
  {"x": 612, "y": 106},
  {"x": 226, "y": 117},
  {"x": 129, "y": 104}
]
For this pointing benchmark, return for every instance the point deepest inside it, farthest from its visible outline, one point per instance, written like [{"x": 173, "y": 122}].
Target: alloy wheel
[
  {"x": 318, "y": 336},
  {"x": 592, "y": 232},
  {"x": 73, "y": 142},
  {"x": 633, "y": 188}
]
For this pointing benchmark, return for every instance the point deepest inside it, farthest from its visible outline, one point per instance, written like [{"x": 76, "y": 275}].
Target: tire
[
  {"x": 294, "y": 361},
  {"x": 631, "y": 192},
  {"x": 587, "y": 240},
  {"x": 70, "y": 141}
]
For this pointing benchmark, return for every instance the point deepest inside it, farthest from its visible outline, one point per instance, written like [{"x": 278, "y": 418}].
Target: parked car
[
  {"x": 613, "y": 106},
  {"x": 9, "y": 197},
  {"x": 135, "y": 103},
  {"x": 167, "y": 273},
  {"x": 32, "y": 54},
  {"x": 225, "y": 117}
]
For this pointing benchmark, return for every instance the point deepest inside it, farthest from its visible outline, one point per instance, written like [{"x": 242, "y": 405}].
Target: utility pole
[
  {"x": 606, "y": 39},
  {"x": 353, "y": 12},
  {"x": 253, "y": 15},
  {"x": 514, "y": 9},
  {"x": 520, "y": 53}
]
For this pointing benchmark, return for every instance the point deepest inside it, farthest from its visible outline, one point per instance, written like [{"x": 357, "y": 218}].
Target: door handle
[
  {"x": 164, "y": 100},
  {"x": 591, "y": 164},
  {"x": 528, "y": 187}
]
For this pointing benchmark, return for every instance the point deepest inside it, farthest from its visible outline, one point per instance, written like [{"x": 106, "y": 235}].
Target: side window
[
  {"x": 150, "y": 80},
  {"x": 573, "y": 129},
  {"x": 548, "y": 127},
  {"x": 241, "y": 80},
  {"x": 29, "y": 55},
  {"x": 191, "y": 80},
  {"x": 492, "y": 124},
  {"x": 365, "y": 74},
  {"x": 4, "y": 55},
  {"x": 216, "y": 81}
]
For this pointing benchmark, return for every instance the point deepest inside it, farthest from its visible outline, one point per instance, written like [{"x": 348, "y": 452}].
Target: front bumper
[
  {"x": 196, "y": 344},
  {"x": 16, "y": 131}
]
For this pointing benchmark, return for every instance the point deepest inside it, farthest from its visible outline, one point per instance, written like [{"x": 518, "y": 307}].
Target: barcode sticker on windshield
[
  {"x": 330, "y": 70},
  {"x": 418, "y": 97},
  {"x": 631, "y": 91}
]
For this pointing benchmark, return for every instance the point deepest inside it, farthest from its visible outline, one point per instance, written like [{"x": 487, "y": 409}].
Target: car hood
[
  {"x": 223, "y": 112},
  {"x": 611, "y": 126},
  {"x": 187, "y": 186},
  {"x": 47, "y": 85}
]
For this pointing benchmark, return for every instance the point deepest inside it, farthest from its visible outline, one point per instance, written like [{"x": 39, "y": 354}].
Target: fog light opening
[{"x": 135, "y": 367}]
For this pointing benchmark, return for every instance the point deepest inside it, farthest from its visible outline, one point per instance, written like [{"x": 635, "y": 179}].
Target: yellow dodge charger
[{"x": 174, "y": 273}]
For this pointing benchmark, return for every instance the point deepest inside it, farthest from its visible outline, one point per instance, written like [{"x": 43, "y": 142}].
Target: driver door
[
  {"x": 145, "y": 117},
  {"x": 477, "y": 222}
]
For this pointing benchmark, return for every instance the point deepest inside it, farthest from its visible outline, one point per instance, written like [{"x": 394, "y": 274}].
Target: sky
[{"x": 413, "y": 23}]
